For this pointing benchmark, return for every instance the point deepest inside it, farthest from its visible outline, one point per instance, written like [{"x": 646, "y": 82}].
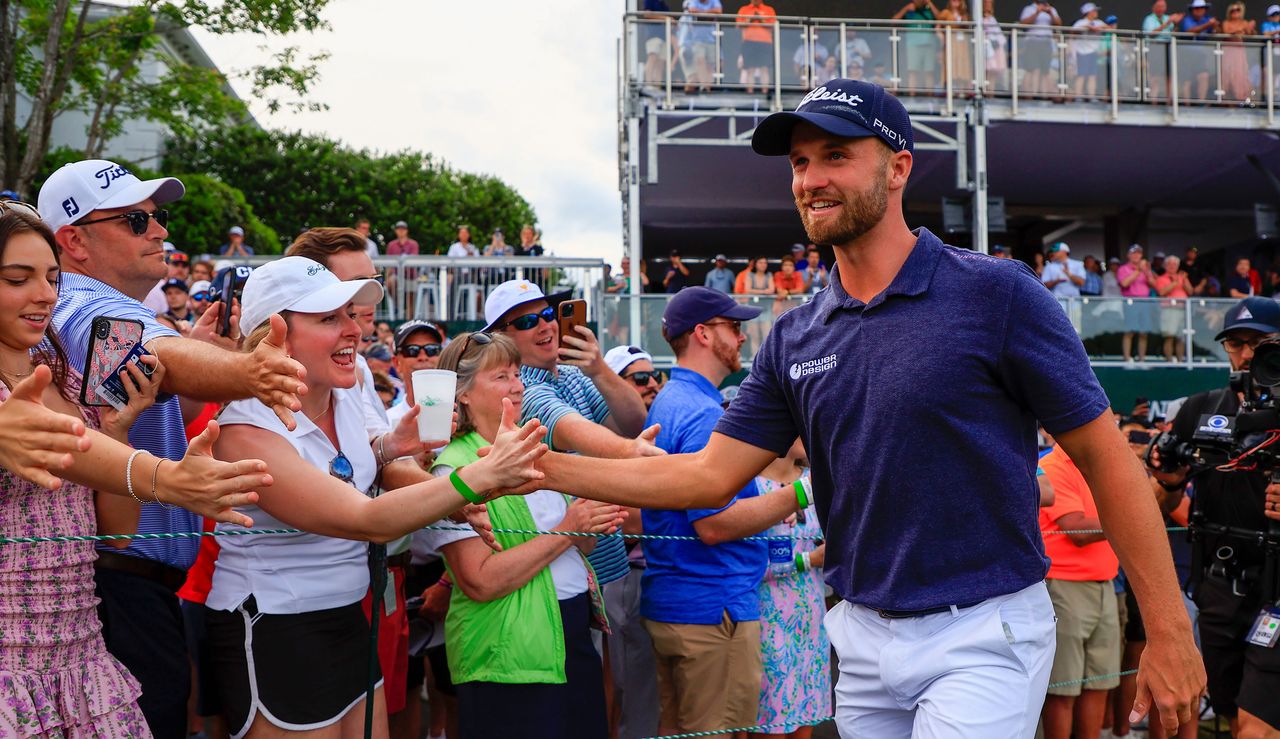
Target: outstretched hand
[
  {"x": 274, "y": 377},
  {"x": 35, "y": 441},
  {"x": 510, "y": 465},
  {"x": 210, "y": 487}
]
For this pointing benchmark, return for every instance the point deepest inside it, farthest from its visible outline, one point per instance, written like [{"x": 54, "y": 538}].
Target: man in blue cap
[
  {"x": 915, "y": 382},
  {"x": 698, "y": 598}
]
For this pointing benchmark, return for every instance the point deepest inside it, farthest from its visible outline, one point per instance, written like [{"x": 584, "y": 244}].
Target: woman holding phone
[
  {"x": 517, "y": 633},
  {"x": 56, "y": 676},
  {"x": 288, "y": 637}
]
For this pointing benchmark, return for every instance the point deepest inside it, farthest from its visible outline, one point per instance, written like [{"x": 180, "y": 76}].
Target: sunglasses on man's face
[
  {"x": 178, "y": 260},
  {"x": 530, "y": 320},
  {"x": 137, "y": 219},
  {"x": 200, "y": 296},
  {"x": 413, "y": 350},
  {"x": 642, "y": 378}
]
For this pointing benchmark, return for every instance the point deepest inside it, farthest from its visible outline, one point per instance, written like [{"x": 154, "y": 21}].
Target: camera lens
[
  {"x": 103, "y": 330},
  {"x": 568, "y": 310},
  {"x": 1265, "y": 366}
]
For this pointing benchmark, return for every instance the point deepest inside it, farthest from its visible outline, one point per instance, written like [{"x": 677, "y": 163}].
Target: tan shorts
[
  {"x": 1088, "y": 635},
  {"x": 708, "y": 675}
]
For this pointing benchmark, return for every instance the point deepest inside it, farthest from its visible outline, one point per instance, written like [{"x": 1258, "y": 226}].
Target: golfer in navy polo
[{"x": 916, "y": 381}]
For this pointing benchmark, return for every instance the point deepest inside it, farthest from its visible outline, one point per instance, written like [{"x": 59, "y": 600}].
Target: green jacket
[{"x": 518, "y": 638}]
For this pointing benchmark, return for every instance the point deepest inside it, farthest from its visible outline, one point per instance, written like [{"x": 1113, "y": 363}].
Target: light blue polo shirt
[
  {"x": 918, "y": 410},
  {"x": 158, "y": 430},
  {"x": 688, "y": 582},
  {"x": 549, "y": 398}
]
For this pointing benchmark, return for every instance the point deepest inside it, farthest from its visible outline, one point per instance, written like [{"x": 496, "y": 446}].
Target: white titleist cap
[
  {"x": 300, "y": 285},
  {"x": 79, "y": 188},
  {"x": 620, "y": 358}
]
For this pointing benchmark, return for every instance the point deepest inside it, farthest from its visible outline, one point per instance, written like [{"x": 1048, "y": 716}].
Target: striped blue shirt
[
  {"x": 158, "y": 430},
  {"x": 549, "y": 398}
]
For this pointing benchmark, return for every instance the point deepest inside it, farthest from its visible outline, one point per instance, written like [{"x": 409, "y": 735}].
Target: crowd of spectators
[{"x": 927, "y": 59}]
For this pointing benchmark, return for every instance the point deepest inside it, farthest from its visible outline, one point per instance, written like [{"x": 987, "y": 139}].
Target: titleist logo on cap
[{"x": 822, "y": 93}]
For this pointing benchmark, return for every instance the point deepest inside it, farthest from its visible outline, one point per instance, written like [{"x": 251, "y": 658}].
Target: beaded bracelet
[{"x": 128, "y": 476}]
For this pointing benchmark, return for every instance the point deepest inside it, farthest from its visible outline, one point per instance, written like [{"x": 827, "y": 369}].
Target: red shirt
[
  {"x": 793, "y": 283},
  {"x": 395, "y": 247},
  {"x": 1096, "y": 561},
  {"x": 200, "y": 576}
]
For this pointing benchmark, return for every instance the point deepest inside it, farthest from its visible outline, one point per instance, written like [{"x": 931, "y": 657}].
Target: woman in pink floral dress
[
  {"x": 796, "y": 690},
  {"x": 56, "y": 677}
]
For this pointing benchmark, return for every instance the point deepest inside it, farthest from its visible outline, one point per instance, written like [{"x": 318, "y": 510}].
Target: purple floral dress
[
  {"x": 56, "y": 677},
  {"x": 796, "y": 689}
]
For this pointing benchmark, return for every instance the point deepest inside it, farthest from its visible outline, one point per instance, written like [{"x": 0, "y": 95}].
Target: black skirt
[{"x": 300, "y": 671}]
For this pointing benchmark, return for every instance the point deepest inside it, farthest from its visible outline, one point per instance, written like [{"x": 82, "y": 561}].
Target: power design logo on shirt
[{"x": 812, "y": 367}]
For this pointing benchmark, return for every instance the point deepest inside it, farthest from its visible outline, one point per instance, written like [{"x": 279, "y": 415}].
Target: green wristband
[
  {"x": 801, "y": 497},
  {"x": 463, "y": 488},
  {"x": 799, "y": 562}
]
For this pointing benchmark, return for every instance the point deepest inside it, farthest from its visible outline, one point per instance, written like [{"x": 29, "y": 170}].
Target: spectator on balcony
[
  {"x": 677, "y": 277},
  {"x": 1037, "y": 47},
  {"x": 856, "y": 51},
  {"x": 370, "y": 246},
  {"x": 1110, "y": 285},
  {"x": 800, "y": 61},
  {"x": 1063, "y": 275},
  {"x": 1092, "y": 276},
  {"x": 994, "y": 47},
  {"x": 829, "y": 70},
  {"x": 626, "y": 275},
  {"x": 814, "y": 270},
  {"x": 1240, "y": 284},
  {"x": 788, "y": 284},
  {"x": 1086, "y": 46},
  {"x": 463, "y": 247},
  {"x": 1195, "y": 273},
  {"x": 1136, "y": 278},
  {"x": 656, "y": 42},
  {"x": 698, "y": 43},
  {"x": 498, "y": 246},
  {"x": 720, "y": 277},
  {"x": 1159, "y": 23},
  {"x": 959, "y": 65},
  {"x": 758, "y": 280},
  {"x": 758, "y": 21},
  {"x": 1271, "y": 26},
  {"x": 1235, "y": 60},
  {"x": 921, "y": 43},
  {"x": 235, "y": 246},
  {"x": 1195, "y": 60},
  {"x": 1174, "y": 286},
  {"x": 879, "y": 75},
  {"x": 529, "y": 246}
]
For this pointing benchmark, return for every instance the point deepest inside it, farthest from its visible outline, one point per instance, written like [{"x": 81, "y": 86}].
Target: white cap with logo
[
  {"x": 620, "y": 358},
  {"x": 79, "y": 188},
  {"x": 300, "y": 285},
  {"x": 511, "y": 293}
]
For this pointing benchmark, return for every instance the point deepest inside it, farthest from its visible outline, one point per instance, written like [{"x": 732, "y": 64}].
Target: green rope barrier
[
  {"x": 1091, "y": 678},
  {"x": 534, "y": 532}
]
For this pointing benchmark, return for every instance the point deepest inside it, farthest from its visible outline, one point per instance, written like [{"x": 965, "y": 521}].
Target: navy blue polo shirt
[
  {"x": 918, "y": 411},
  {"x": 688, "y": 582}
]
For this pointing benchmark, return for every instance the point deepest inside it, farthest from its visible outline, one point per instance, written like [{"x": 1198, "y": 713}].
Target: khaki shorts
[
  {"x": 709, "y": 676},
  {"x": 1088, "y": 635}
]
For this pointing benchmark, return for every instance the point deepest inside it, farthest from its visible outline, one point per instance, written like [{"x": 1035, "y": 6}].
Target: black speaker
[{"x": 956, "y": 214}]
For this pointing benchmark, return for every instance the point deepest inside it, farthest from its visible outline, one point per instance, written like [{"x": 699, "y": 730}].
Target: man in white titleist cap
[{"x": 110, "y": 226}]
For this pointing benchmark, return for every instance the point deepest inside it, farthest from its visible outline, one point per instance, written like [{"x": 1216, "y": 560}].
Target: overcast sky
[{"x": 523, "y": 91}]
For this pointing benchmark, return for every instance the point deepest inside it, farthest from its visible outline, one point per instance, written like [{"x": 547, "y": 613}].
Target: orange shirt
[
  {"x": 757, "y": 30},
  {"x": 740, "y": 282},
  {"x": 1096, "y": 561},
  {"x": 793, "y": 283}
]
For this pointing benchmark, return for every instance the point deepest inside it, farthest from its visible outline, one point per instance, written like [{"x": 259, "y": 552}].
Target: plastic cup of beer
[{"x": 433, "y": 391}]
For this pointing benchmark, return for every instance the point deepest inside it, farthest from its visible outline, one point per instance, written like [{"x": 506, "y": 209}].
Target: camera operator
[{"x": 1226, "y": 579}]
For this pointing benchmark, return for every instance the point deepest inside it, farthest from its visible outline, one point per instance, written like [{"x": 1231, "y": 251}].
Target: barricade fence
[{"x": 674, "y": 55}]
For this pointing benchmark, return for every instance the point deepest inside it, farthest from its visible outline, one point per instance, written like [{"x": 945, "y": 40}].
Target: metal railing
[
  {"x": 1190, "y": 326},
  {"x": 454, "y": 288},
  {"x": 672, "y": 55}
]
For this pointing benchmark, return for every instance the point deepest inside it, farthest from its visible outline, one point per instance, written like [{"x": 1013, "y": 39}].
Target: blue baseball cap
[
  {"x": 849, "y": 108},
  {"x": 1256, "y": 313},
  {"x": 175, "y": 282},
  {"x": 694, "y": 305}
]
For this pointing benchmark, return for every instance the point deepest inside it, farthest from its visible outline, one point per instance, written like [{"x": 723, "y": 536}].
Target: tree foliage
[
  {"x": 295, "y": 181},
  {"x": 107, "y": 61}
]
